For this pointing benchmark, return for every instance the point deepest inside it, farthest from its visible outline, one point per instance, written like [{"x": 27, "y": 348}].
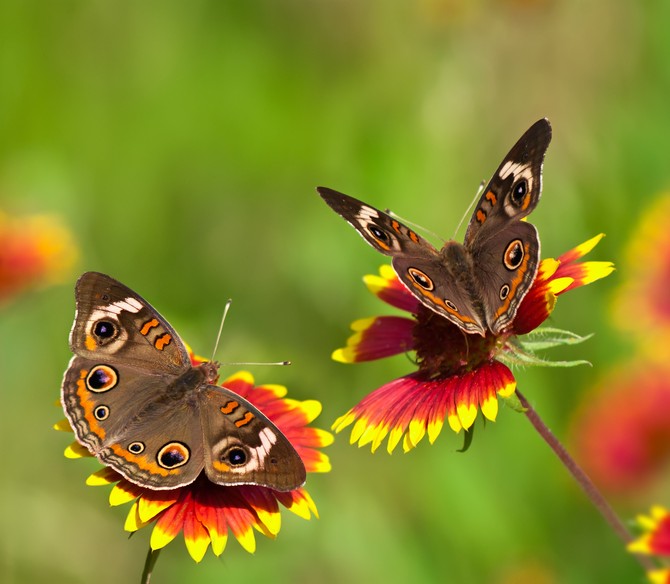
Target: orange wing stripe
[
  {"x": 244, "y": 421},
  {"x": 147, "y": 326},
  {"x": 163, "y": 341}
]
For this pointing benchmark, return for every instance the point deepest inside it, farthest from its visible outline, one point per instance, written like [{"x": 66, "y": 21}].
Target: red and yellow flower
[
  {"x": 206, "y": 512},
  {"x": 642, "y": 304},
  {"x": 34, "y": 250},
  {"x": 624, "y": 442},
  {"x": 654, "y": 541},
  {"x": 458, "y": 374}
]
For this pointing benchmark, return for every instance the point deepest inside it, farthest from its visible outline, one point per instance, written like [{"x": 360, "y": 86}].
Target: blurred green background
[{"x": 181, "y": 142}]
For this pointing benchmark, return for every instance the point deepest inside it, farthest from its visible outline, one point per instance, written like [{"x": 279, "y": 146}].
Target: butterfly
[
  {"x": 136, "y": 402},
  {"x": 479, "y": 284}
]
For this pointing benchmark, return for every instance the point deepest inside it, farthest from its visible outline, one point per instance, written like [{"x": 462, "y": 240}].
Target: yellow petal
[
  {"x": 76, "y": 450},
  {"x": 244, "y": 376},
  {"x": 358, "y": 429},
  {"x": 100, "y": 478},
  {"x": 270, "y": 519},
  {"x": 466, "y": 414},
  {"x": 219, "y": 541},
  {"x": 247, "y": 540},
  {"x": 119, "y": 495},
  {"x": 587, "y": 246},
  {"x": 278, "y": 390},
  {"x": 434, "y": 429},
  {"x": 417, "y": 430},
  {"x": 490, "y": 408},
  {"x": 343, "y": 421},
  {"x": 159, "y": 538},
  {"x": 394, "y": 439},
  {"x": 197, "y": 546},
  {"x": 62, "y": 426}
]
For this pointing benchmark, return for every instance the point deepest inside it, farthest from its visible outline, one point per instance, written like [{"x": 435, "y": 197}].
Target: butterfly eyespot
[
  {"x": 105, "y": 330},
  {"x": 451, "y": 305},
  {"x": 173, "y": 455},
  {"x": 101, "y": 378},
  {"x": 136, "y": 447},
  {"x": 378, "y": 234},
  {"x": 101, "y": 413},
  {"x": 236, "y": 456},
  {"x": 504, "y": 292},
  {"x": 513, "y": 255},
  {"x": 519, "y": 191},
  {"x": 421, "y": 279}
]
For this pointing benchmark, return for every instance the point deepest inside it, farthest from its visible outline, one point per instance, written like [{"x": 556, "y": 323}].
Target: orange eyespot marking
[
  {"x": 481, "y": 216},
  {"x": 141, "y": 461},
  {"x": 90, "y": 343},
  {"x": 420, "y": 278},
  {"x": 102, "y": 378},
  {"x": 513, "y": 254},
  {"x": 86, "y": 403},
  {"x": 173, "y": 455},
  {"x": 508, "y": 292},
  {"x": 220, "y": 466},
  {"x": 163, "y": 341},
  {"x": 230, "y": 407},
  {"x": 147, "y": 326},
  {"x": 526, "y": 202},
  {"x": 490, "y": 196},
  {"x": 244, "y": 421}
]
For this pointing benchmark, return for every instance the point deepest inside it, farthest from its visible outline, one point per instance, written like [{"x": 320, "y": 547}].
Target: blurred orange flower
[{"x": 34, "y": 250}]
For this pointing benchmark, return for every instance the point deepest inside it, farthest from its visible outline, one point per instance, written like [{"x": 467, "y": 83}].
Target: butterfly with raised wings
[{"x": 479, "y": 284}]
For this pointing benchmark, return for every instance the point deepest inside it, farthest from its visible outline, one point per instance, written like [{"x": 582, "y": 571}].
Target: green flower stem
[
  {"x": 149, "y": 564},
  {"x": 583, "y": 480}
]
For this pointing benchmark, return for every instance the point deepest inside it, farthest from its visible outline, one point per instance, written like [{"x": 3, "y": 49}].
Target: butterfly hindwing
[
  {"x": 137, "y": 424},
  {"x": 244, "y": 446},
  {"x": 507, "y": 263},
  {"x": 444, "y": 286}
]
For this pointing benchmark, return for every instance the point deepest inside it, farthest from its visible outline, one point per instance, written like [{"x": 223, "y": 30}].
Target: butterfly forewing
[
  {"x": 114, "y": 322},
  {"x": 383, "y": 232},
  {"x": 515, "y": 188}
]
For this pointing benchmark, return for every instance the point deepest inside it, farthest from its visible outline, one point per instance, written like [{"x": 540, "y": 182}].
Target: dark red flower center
[{"x": 444, "y": 350}]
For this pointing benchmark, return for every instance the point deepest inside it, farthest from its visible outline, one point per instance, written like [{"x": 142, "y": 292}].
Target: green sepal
[
  {"x": 548, "y": 338},
  {"x": 468, "y": 435},
  {"x": 512, "y": 401},
  {"x": 521, "y": 352}
]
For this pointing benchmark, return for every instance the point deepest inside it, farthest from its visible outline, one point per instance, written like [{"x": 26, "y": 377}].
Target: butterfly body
[
  {"x": 134, "y": 399},
  {"x": 479, "y": 284}
]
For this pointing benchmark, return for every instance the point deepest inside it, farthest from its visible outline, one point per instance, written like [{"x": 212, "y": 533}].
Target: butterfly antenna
[
  {"x": 226, "y": 308},
  {"x": 218, "y": 338},
  {"x": 415, "y": 225},
  {"x": 467, "y": 211}
]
